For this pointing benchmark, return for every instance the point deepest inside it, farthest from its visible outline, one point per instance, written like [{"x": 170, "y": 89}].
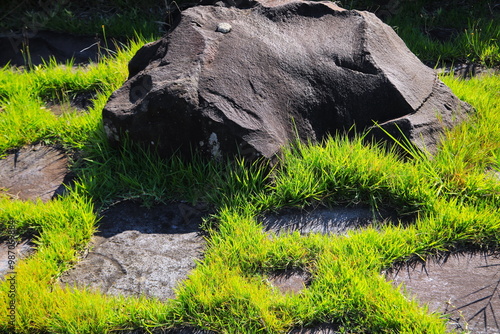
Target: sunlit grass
[
  {"x": 449, "y": 201},
  {"x": 25, "y": 117}
]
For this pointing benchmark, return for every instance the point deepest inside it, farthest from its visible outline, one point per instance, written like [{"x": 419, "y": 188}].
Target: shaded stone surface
[
  {"x": 34, "y": 172},
  {"x": 36, "y": 47},
  {"x": 337, "y": 220},
  {"x": 284, "y": 69},
  {"x": 466, "y": 287},
  {"x": 290, "y": 281},
  {"x": 21, "y": 251},
  {"x": 140, "y": 251}
]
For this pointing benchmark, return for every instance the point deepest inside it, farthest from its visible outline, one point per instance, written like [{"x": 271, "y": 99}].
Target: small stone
[{"x": 223, "y": 27}]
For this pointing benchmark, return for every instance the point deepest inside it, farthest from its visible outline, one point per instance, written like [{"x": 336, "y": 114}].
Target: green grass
[
  {"x": 30, "y": 91},
  {"x": 449, "y": 202}
]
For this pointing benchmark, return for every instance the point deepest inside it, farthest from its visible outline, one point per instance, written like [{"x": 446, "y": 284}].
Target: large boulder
[{"x": 252, "y": 77}]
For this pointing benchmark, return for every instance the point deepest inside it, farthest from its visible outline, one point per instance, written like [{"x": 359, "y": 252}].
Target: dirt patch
[
  {"x": 337, "y": 220},
  {"x": 464, "y": 286},
  {"x": 141, "y": 251},
  {"x": 34, "y": 172}
]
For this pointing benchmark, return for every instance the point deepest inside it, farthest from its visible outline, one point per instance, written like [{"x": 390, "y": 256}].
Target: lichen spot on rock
[
  {"x": 111, "y": 132},
  {"x": 223, "y": 27},
  {"x": 213, "y": 143}
]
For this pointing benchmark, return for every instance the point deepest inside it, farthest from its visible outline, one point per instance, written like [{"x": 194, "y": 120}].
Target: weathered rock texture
[
  {"x": 140, "y": 251},
  {"x": 465, "y": 287},
  {"x": 250, "y": 78},
  {"x": 34, "y": 172}
]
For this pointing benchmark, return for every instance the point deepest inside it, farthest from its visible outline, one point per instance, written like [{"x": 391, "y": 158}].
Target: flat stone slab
[
  {"x": 466, "y": 287},
  {"x": 141, "y": 251},
  {"x": 33, "y": 172},
  {"x": 290, "y": 281},
  {"x": 337, "y": 220}
]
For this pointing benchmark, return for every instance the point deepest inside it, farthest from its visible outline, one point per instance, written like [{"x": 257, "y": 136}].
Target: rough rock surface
[
  {"x": 284, "y": 68},
  {"x": 140, "y": 251},
  {"x": 466, "y": 287},
  {"x": 34, "y": 172}
]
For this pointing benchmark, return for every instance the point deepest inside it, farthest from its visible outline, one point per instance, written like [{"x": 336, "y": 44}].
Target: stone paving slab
[
  {"x": 33, "y": 172},
  {"x": 290, "y": 281},
  {"x": 336, "y": 220},
  {"x": 141, "y": 251},
  {"x": 464, "y": 286}
]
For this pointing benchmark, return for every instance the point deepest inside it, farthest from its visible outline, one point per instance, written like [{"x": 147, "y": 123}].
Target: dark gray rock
[{"x": 285, "y": 68}]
